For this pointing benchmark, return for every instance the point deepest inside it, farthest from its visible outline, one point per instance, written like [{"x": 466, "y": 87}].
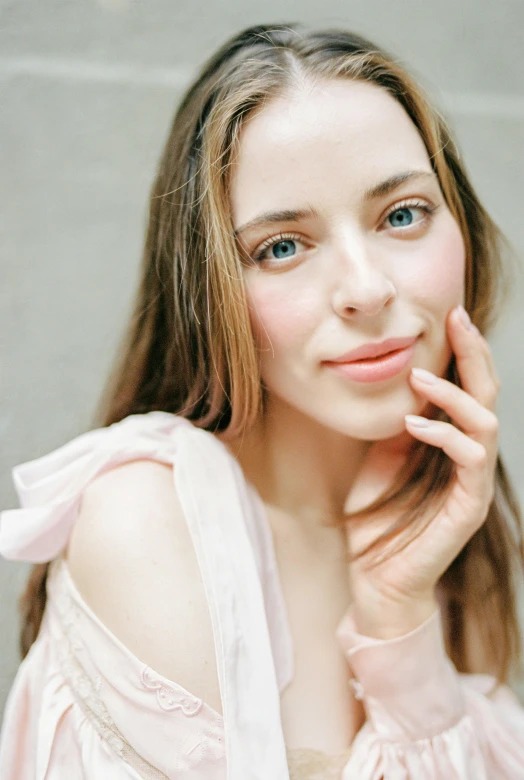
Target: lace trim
[
  {"x": 170, "y": 698},
  {"x": 304, "y": 763},
  {"x": 308, "y": 764},
  {"x": 83, "y": 688}
]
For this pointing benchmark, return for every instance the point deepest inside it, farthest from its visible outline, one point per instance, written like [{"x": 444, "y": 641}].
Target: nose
[{"x": 362, "y": 284}]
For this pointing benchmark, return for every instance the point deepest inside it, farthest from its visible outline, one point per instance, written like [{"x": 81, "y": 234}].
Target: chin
[
  {"x": 379, "y": 430},
  {"x": 376, "y": 420}
]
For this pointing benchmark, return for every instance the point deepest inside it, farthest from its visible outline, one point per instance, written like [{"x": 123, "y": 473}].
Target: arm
[
  {"x": 132, "y": 560},
  {"x": 426, "y": 721}
]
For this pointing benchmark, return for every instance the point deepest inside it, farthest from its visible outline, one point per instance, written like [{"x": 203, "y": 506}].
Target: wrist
[
  {"x": 385, "y": 619},
  {"x": 411, "y": 689}
]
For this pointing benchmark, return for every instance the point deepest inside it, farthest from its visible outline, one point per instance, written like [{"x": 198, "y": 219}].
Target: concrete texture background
[{"x": 87, "y": 90}]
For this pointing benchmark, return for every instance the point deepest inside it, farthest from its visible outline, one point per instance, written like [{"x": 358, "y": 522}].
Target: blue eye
[
  {"x": 276, "y": 250},
  {"x": 406, "y": 215},
  {"x": 401, "y": 217},
  {"x": 283, "y": 249}
]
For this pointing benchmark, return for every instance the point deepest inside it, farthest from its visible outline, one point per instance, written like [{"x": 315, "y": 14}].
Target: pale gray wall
[{"x": 87, "y": 90}]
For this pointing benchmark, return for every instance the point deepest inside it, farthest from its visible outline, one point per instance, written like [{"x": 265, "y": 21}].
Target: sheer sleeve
[{"x": 425, "y": 721}]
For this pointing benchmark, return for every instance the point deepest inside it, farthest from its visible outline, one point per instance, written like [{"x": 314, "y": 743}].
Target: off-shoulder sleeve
[
  {"x": 218, "y": 508},
  {"x": 50, "y": 488},
  {"x": 425, "y": 721}
]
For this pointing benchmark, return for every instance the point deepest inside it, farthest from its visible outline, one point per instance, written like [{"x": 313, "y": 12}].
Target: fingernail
[
  {"x": 416, "y": 421},
  {"x": 466, "y": 321},
  {"x": 424, "y": 376}
]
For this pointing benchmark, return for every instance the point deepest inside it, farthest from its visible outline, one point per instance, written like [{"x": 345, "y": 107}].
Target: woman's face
[{"x": 350, "y": 244}]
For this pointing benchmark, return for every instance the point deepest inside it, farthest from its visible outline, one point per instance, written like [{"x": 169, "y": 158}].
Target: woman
[{"x": 296, "y": 482}]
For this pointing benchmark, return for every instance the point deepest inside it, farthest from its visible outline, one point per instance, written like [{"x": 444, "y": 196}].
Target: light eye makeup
[
  {"x": 406, "y": 222},
  {"x": 288, "y": 245}
]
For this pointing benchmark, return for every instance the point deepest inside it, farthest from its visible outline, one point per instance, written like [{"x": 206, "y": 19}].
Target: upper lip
[{"x": 374, "y": 350}]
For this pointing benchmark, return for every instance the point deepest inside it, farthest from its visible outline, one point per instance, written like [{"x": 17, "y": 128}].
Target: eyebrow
[
  {"x": 296, "y": 215},
  {"x": 286, "y": 215},
  {"x": 387, "y": 186}
]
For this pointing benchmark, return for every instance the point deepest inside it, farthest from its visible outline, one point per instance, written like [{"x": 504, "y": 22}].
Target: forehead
[{"x": 320, "y": 142}]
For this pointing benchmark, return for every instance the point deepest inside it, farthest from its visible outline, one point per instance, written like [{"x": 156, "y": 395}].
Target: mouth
[
  {"x": 377, "y": 357},
  {"x": 377, "y": 368}
]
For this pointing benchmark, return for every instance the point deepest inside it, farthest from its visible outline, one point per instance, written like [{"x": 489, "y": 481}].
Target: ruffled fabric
[{"x": 424, "y": 720}]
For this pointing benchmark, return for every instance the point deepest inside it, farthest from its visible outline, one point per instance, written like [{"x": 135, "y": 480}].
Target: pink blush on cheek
[
  {"x": 436, "y": 288},
  {"x": 282, "y": 318},
  {"x": 439, "y": 280}
]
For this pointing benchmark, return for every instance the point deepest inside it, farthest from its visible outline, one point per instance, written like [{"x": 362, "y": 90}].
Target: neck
[{"x": 298, "y": 465}]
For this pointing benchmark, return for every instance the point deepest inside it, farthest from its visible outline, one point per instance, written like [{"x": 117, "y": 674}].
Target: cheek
[
  {"x": 437, "y": 289},
  {"x": 283, "y": 316},
  {"x": 438, "y": 282}
]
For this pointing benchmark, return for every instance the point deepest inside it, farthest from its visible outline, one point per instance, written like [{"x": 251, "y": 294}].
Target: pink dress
[{"x": 83, "y": 706}]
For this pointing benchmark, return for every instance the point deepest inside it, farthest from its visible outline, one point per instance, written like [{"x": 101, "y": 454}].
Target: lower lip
[{"x": 376, "y": 369}]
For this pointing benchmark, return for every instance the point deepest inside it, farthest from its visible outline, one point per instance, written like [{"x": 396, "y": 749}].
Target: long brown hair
[{"x": 189, "y": 347}]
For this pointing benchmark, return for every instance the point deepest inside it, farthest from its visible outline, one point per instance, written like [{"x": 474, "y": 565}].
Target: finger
[
  {"x": 461, "y": 448},
  {"x": 464, "y": 410},
  {"x": 473, "y": 358},
  {"x": 471, "y": 457}
]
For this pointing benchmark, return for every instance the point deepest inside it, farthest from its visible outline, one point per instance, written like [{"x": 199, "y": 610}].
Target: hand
[{"x": 396, "y": 595}]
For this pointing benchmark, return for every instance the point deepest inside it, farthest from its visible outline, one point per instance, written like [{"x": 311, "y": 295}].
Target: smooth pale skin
[
  {"x": 351, "y": 277},
  {"x": 326, "y": 444}
]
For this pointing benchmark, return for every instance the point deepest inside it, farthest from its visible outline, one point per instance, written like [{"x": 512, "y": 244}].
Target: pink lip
[
  {"x": 375, "y": 362},
  {"x": 374, "y": 350}
]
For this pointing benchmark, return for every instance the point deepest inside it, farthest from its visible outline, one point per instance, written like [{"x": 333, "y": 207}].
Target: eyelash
[
  {"x": 427, "y": 208},
  {"x": 269, "y": 242}
]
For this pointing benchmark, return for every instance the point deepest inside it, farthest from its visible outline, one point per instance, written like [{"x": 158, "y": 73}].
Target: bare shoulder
[{"x": 132, "y": 559}]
